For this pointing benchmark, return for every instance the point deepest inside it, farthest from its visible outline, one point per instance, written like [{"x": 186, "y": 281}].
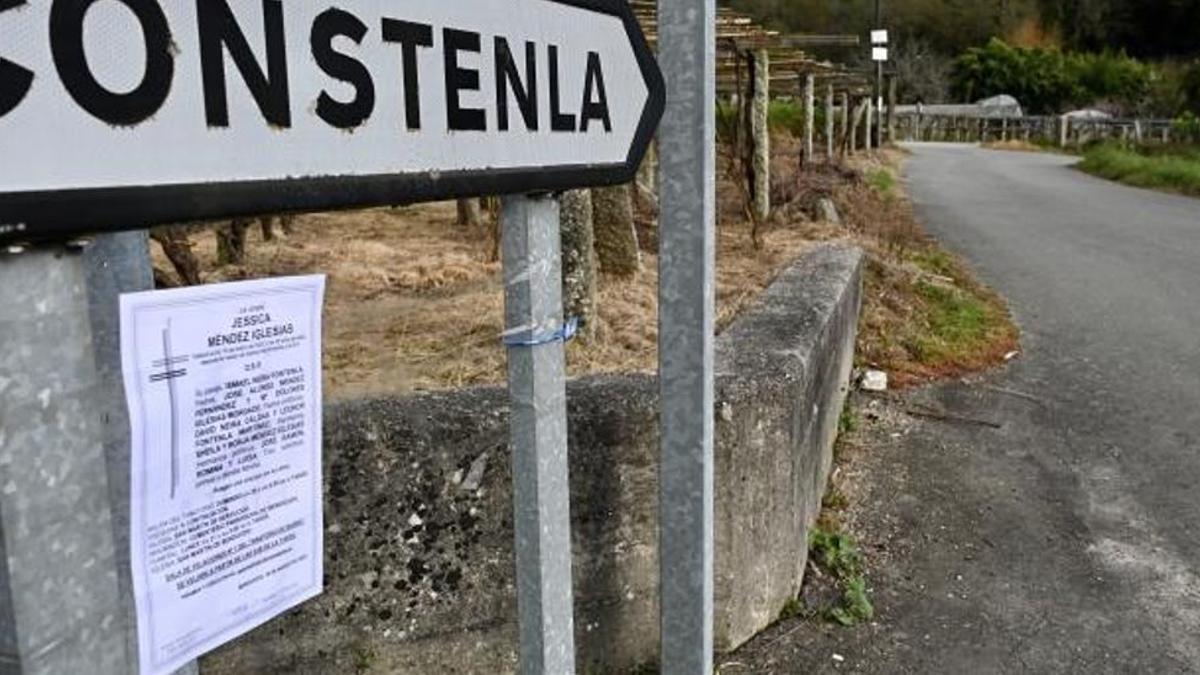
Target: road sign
[
  {"x": 879, "y": 54},
  {"x": 879, "y": 37},
  {"x": 129, "y": 113}
]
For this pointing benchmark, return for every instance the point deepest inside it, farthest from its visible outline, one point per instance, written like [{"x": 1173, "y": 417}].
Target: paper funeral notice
[{"x": 223, "y": 385}]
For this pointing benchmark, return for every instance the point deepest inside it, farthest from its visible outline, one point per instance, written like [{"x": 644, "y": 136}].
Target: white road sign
[
  {"x": 223, "y": 384},
  {"x": 118, "y": 114},
  {"x": 879, "y": 37},
  {"x": 879, "y": 53}
]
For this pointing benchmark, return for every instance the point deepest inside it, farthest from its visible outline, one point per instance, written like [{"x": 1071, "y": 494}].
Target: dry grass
[
  {"x": 925, "y": 316},
  {"x": 413, "y": 302},
  {"x": 1017, "y": 146}
]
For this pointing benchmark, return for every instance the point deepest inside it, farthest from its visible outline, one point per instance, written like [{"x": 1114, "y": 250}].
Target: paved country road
[{"x": 1068, "y": 539}]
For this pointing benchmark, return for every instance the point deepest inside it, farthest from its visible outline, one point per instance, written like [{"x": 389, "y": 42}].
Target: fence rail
[{"x": 1058, "y": 130}]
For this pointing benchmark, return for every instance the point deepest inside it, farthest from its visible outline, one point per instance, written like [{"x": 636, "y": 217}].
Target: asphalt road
[{"x": 1067, "y": 538}]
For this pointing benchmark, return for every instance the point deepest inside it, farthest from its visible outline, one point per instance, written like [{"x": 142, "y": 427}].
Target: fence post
[
  {"x": 810, "y": 115},
  {"x": 66, "y": 603},
  {"x": 870, "y": 125},
  {"x": 686, "y": 291},
  {"x": 891, "y": 111},
  {"x": 846, "y": 122},
  {"x": 534, "y": 333},
  {"x": 761, "y": 132},
  {"x": 829, "y": 122},
  {"x": 852, "y": 146}
]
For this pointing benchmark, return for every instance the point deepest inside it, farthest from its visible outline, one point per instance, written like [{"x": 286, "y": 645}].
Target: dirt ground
[{"x": 414, "y": 303}]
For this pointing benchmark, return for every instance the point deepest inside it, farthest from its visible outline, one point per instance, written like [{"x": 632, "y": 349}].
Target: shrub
[
  {"x": 1049, "y": 81},
  {"x": 1109, "y": 76},
  {"x": 1038, "y": 78},
  {"x": 1191, "y": 86},
  {"x": 783, "y": 116},
  {"x": 1187, "y": 128}
]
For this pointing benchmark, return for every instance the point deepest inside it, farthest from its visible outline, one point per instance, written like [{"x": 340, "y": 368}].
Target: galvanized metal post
[
  {"x": 66, "y": 603},
  {"x": 875, "y": 133},
  {"x": 687, "y": 55},
  {"x": 534, "y": 333}
]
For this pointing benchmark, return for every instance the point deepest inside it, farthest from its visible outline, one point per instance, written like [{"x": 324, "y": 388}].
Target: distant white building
[
  {"x": 1088, "y": 114},
  {"x": 990, "y": 108}
]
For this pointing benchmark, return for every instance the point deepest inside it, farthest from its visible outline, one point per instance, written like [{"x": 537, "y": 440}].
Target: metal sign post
[
  {"x": 66, "y": 586},
  {"x": 535, "y": 334},
  {"x": 686, "y": 48},
  {"x": 879, "y": 54}
]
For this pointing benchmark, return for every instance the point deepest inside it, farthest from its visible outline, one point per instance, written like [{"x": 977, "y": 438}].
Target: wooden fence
[{"x": 1056, "y": 130}]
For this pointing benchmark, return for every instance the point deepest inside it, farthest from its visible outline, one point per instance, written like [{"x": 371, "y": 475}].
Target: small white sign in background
[
  {"x": 223, "y": 384},
  {"x": 879, "y": 37},
  {"x": 879, "y": 54}
]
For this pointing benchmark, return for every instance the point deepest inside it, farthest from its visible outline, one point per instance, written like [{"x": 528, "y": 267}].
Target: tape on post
[{"x": 531, "y": 338}]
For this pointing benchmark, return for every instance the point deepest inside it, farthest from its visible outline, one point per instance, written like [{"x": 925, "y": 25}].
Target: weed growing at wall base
[{"x": 838, "y": 555}]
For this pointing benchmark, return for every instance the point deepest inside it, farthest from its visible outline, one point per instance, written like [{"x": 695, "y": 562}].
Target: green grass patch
[
  {"x": 882, "y": 181},
  {"x": 783, "y": 116},
  {"x": 848, "y": 421},
  {"x": 955, "y": 319},
  {"x": 955, "y": 323},
  {"x": 791, "y": 609},
  {"x": 856, "y": 603},
  {"x": 838, "y": 555},
  {"x": 936, "y": 261},
  {"x": 1176, "y": 169},
  {"x": 937, "y": 321}
]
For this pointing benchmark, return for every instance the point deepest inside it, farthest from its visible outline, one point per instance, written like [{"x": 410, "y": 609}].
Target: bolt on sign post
[{"x": 125, "y": 114}]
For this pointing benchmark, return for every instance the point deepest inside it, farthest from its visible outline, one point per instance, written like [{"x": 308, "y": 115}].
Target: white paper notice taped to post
[{"x": 223, "y": 385}]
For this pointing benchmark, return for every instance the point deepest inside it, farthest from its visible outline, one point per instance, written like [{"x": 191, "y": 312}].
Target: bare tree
[
  {"x": 616, "y": 239},
  {"x": 231, "y": 242},
  {"x": 175, "y": 244},
  {"x": 469, "y": 213},
  {"x": 922, "y": 73},
  {"x": 578, "y": 259}
]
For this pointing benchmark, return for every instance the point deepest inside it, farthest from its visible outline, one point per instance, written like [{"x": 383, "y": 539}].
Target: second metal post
[
  {"x": 534, "y": 333},
  {"x": 687, "y": 161}
]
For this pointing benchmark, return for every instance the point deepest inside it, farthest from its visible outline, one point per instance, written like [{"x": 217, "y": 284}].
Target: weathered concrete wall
[
  {"x": 782, "y": 375},
  {"x": 419, "y": 571}
]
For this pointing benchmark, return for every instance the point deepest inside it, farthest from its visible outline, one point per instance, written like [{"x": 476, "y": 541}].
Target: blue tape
[{"x": 564, "y": 334}]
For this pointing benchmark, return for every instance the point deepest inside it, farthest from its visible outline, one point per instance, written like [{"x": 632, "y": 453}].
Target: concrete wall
[{"x": 419, "y": 571}]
